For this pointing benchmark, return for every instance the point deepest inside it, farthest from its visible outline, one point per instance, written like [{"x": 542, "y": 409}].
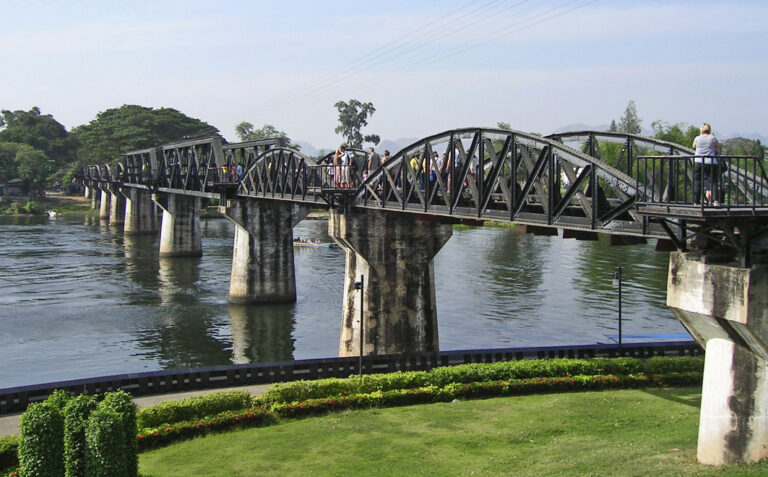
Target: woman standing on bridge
[
  {"x": 706, "y": 167},
  {"x": 337, "y": 158}
]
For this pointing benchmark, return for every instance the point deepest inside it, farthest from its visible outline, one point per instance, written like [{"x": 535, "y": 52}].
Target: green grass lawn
[{"x": 610, "y": 433}]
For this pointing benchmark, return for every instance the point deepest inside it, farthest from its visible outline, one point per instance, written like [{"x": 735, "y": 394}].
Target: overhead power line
[{"x": 481, "y": 19}]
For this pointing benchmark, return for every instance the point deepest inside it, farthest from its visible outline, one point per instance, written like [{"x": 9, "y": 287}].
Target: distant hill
[
  {"x": 754, "y": 136},
  {"x": 394, "y": 146},
  {"x": 307, "y": 148}
]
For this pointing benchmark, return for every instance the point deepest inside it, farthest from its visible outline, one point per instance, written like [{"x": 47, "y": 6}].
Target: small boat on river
[{"x": 313, "y": 243}]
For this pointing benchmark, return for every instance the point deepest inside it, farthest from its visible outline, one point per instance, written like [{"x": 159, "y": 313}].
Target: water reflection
[
  {"x": 141, "y": 265},
  {"x": 177, "y": 279},
  {"x": 261, "y": 334},
  {"x": 644, "y": 274},
  {"x": 78, "y": 298}
]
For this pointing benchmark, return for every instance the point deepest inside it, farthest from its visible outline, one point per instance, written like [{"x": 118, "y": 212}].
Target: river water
[{"x": 80, "y": 299}]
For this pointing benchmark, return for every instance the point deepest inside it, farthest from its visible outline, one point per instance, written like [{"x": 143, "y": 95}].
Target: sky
[{"x": 427, "y": 66}]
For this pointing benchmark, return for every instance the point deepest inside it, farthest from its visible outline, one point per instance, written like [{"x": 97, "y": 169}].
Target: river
[{"x": 79, "y": 299}]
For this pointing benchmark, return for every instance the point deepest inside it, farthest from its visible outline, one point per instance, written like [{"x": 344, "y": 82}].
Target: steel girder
[
  {"x": 503, "y": 175},
  {"x": 282, "y": 173}
]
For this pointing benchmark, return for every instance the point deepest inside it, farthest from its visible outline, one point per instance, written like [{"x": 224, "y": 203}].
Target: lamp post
[
  {"x": 617, "y": 282},
  {"x": 359, "y": 286}
]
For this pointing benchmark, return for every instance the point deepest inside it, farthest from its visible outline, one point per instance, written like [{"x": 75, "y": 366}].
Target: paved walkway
[{"x": 9, "y": 424}]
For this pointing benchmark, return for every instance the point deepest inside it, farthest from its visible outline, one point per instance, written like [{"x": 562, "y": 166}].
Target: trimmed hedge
[
  {"x": 9, "y": 457},
  {"x": 41, "y": 448},
  {"x": 156, "y": 437},
  {"x": 469, "y": 373},
  {"x": 126, "y": 449},
  {"x": 193, "y": 407},
  {"x": 431, "y": 394},
  {"x": 108, "y": 452},
  {"x": 76, "y": 415}
]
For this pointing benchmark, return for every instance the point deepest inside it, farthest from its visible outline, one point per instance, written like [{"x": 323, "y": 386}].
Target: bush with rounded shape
[
  {"x": 76, "y": 415},
  {"x": 41, "y": 447},
  {"x": 9, "y": 452},
  {"x": 59, "y": 398},
  {"x": 107, "y": 452},
  {"x": 122, "y": 403}
]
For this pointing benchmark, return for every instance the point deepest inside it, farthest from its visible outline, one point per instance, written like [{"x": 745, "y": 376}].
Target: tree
[
  {"x": 41, "y": 131},
  {"x": 352, "y": 117},
  {"x": 8, "y": 168},
  {"x": 246, "y": 132},
  {"x": 504, "y": 126},
  {"x": 677, "y": 133},
  {"x": 630, "y": 122},
  {"x": 34, "y": 167},
  {"x": 130, "y": 127}
]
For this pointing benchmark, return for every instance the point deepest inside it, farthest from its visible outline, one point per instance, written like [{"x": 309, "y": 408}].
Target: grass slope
[{"x": 613, "y": 433}]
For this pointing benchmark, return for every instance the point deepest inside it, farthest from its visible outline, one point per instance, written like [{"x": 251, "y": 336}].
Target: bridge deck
[{"x": 690, "y": 211}]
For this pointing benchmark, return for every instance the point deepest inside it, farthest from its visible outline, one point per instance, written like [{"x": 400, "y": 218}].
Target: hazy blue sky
[{"x": 427, "y": 66}]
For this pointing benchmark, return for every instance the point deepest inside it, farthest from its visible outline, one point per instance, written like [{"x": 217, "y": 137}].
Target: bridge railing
[{"x": 697, "y": 181}]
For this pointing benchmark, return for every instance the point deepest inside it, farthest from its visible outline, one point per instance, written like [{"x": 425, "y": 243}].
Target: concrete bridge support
[
  {"x": 116, "y": 208},
  {"x": 725, "y": 308},
  {"x": 180, "y": 234},
  {"x": 394, "y": 253},
  {"x": 139, "y": 213},
  {"x": 262, "y": 256},
  {"x": 104, "y": 206}
]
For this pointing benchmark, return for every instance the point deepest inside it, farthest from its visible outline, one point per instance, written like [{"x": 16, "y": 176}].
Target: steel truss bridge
[{"x": 546, "y": 183}]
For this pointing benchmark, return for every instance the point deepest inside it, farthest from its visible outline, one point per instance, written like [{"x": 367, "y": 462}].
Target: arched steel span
[
  {"x": 634, "y": 146},
  {"x": 510, "y": 176},
  {"x": 286, "y": 174}
]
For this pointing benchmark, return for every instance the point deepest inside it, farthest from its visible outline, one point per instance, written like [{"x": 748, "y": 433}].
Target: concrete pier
[
  {"x": 116, "y": 208},
  {"x": 104, "y": 206},
  {"x": 262, "y": 256},
  {"x": 725, "y": 308},
  {"x": 394, "y": 253},
  {"x": 139, "y": 212},
  {"x": 180, "y": 234}
]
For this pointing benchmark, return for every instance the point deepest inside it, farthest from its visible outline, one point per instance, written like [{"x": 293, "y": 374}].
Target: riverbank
[{"x": 51, "y": 201}]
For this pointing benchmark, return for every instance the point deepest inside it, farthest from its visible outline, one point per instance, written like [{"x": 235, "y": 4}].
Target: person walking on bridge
[
  {"x": 373, "y": 163},
  {"x": 706, "y": 167}
]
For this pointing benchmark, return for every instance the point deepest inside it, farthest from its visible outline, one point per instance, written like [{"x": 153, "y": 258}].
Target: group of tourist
[
  {"x": 231, "y": 173},
  {"x": 345, "y": 166}
]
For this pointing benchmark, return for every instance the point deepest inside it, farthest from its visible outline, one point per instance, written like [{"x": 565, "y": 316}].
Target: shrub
[
  {"x": 108, "y": 453},
  {"x": 193, "y": 407},
  {"x": 121, "y": 403},
  {"x": 427, "y": 394},
  {"x": 467, "y": 373},
  {"x": 75, "y": 419},
  {"x": 683, "y": 364},
  {"x": 9, "y": 447},
  {"x": 59, "y": 398},
  {"x": 41, "y": 448},
  {"x": 155, "y": 437}
]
